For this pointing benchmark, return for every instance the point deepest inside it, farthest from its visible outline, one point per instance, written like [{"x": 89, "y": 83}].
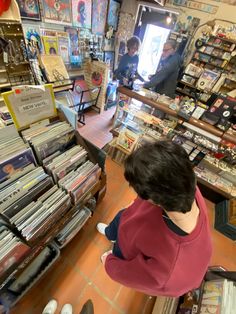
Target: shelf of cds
[
  {"x": 144, "y": 115},
  {"x": 50, "y": 181},
  {"x": 216, "y": 294}
]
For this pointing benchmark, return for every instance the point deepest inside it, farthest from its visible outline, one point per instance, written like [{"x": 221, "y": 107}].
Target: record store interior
[{"x": 117, "y": 156}]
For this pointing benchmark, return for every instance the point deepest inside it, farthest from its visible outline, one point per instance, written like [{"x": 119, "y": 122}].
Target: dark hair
[
  {"x": 161, "y": 172},
  {"x": 172, "y": 43},
  {"x": 134, "y": 41}
]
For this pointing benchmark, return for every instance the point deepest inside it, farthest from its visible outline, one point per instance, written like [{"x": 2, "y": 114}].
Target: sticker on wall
[
  {"x": 56, "y": 11},
  {"x": 96, "y": 78},
  {"x": 82, "y": 13}
]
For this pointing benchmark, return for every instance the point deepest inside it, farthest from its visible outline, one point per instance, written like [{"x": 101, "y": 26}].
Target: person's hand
[
  {"x": 104, "y": 256},
  {"x": 125, "y": 81}
]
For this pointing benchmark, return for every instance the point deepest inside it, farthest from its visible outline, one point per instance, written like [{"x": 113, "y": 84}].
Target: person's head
[
  {"x": 168, "y": 49},
  {"x": 133, "y": 45},
  {"x": 162, "y": 173}
]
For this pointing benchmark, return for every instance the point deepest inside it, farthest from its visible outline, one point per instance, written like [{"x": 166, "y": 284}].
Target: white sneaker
[
  {"x": 101, "y": 227},
  {"x": 67, "y": 309},
  {"x": 50, "y": 308}
]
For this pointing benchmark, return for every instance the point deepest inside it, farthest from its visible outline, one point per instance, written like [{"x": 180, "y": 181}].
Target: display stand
[
  {"x": 9, "y": 280},
  {"x": 132, "y": 124}
]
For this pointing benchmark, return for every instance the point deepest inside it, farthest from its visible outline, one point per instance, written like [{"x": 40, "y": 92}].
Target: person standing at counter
[
  {"x": 127, "y": 69},
  {"x": 164, "y": 81}
]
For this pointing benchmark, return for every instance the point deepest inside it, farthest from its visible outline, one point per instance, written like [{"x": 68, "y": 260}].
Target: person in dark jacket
[
  {"x": 165, "y": 79},
  {"x": 127, "y": 69}
]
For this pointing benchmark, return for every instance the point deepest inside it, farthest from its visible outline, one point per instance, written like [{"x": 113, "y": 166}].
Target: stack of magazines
[
  {"x": 61, "y": 165},
  {"x": 16, "y": 158},
  {"x": 21, "y": 192},
  {"x": 49, "y": 139},
  {"x": 12, "y": 250},
  {"x": 73, "y": 227},
  {"x": 38, "y": 216},
  {"x": 81, "y": 180}
]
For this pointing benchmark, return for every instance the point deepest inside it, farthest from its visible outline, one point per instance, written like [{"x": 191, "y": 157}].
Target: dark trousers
[{"x": 111, "y": 233}]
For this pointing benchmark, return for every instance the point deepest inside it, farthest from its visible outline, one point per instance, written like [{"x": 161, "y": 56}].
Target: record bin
[{"x": 12, "y": 293}]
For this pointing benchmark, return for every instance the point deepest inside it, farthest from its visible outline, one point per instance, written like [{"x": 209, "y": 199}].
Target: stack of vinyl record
[
  {"x": 49, "y": 139},
  {"x": 12, "y": 250},
  {"x": 21, "y": 192},
  {"x": 16, "y": 158},
  {"x": 81, "y": 180},
  {"x": 61, "y": 165},
  {"x": 72, "y": 228},
  {"x": 36, "y": 218}
]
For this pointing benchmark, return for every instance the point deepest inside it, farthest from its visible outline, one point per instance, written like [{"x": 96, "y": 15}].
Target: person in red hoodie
[{"x": 162, "y": 242}]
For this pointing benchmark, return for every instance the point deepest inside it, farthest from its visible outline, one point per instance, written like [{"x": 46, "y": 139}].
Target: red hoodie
[{"x": 157, "y": 260}]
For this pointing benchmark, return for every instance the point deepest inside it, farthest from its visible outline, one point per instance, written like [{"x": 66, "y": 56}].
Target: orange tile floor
[{"x": 79, "y": 274}]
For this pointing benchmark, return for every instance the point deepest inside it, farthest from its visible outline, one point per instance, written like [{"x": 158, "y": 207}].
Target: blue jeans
[{"x": 111, "y": 233}]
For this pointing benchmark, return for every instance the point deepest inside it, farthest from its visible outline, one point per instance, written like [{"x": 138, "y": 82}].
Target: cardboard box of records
[{"x": 49, "y": 171}]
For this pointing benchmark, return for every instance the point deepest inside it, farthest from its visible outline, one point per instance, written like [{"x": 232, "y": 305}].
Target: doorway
[{"x": 151, "y": 49}]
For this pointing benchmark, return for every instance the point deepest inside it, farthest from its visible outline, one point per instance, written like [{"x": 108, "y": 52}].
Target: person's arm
[
  {"x": 163, "y": 74},
  {"x": 138, "y": 273},
  {"x": 138, "y": 76},
  {"x": 121, "y": 67}
]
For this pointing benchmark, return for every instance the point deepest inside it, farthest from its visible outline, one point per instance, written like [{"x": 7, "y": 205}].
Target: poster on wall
[
  {"x": 50, "y": 45},
  {"x": 29, "y": 9},
  {"x": 109, "y": 58},
  {"x": 99, "y": 12},
  {"x": 74, "y": 45},
  {"x": 113, "y": 14},
  {"x": 58, "y": 12},
  {"x": 82, "y": 13},
  {"x": 33, "y": 40},
  {"x": 63, "y": 46}
]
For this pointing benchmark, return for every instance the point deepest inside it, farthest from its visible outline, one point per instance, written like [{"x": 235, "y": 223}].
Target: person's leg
[
  {"x": 87, "y": 308},
  {"x": 110, "y": 230},
  {"x": 67, "y": 309},
  {"x": 50, "y": 308}
]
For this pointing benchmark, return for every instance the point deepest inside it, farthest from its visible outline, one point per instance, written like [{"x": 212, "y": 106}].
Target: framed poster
[
  {"x": 50, "y": 45},
  {"x": 99, "y": 13},
  {"x": 109, "y": 58},
  {"x": 82, "y": 13},
  {"x": 33, "y": 40},
  {"x": 63, "y": 46},
  {"x": 29, "y": 9},
  {"x": 113, "y": 14},
  {"x": 74, "y": 45},
  {"x": 58, "y": 12}
]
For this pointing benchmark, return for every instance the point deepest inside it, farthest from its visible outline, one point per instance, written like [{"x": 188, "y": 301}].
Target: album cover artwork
[{"x": 16, "y": 163}]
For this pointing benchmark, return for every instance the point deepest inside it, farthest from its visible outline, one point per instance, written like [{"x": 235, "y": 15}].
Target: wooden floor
[{"x": 79, "y": 274}]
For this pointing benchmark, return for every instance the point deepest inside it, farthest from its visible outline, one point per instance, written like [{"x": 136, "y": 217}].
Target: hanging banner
[{"x": 195, "y": 5}]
